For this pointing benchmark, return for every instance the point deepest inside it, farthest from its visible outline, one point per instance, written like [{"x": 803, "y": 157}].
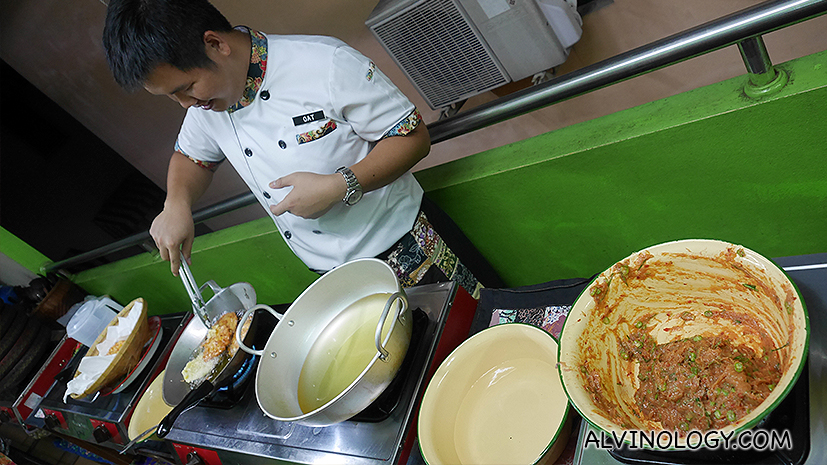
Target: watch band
[{"x": 354, "y": 189}]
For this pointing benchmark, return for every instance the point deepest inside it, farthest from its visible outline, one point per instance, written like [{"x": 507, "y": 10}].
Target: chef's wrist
[
  {"x": 353, "y": 192},
  {"x": 341, "y": 184}
]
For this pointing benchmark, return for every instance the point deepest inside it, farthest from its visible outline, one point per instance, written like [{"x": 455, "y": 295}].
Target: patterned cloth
[
  {"x": 310, "y": 136},
  {"x": 421, "y": 249},
  {"x": 549, "y": 318},
  {"x": 405, "y": 126}
]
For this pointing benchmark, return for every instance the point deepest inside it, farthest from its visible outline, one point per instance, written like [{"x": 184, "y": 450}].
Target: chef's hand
[
  {"x": 173, "y": 231},
  {"x": 312, "y": 194}
]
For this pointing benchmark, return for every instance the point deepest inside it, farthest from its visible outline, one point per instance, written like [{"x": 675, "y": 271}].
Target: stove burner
[
  {"x": 383, "y": 406},
  {"x": 792, "y": 414},
  {"x": 229, "y": 395}
]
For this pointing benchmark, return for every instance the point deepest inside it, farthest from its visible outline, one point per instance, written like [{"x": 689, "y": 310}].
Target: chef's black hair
[{"x": 139, "y": 35}]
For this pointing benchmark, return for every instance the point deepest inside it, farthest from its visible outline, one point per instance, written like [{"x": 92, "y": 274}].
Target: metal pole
[
  {"x": 744, "y": 25},
  {"x": 755, "y": 55},
  {"x": 142, "y": 238},
  {"x": 763, "y": 78}
]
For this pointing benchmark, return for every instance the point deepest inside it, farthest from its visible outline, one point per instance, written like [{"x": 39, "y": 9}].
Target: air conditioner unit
[{"x": 454, "y": 49}]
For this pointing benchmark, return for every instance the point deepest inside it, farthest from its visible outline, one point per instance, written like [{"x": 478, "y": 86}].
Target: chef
[{"x": 321, "y": 136}]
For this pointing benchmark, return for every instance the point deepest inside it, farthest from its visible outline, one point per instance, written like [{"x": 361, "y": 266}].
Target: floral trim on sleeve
[
  {"x": 404, "y": 127},
  {"x": 209, "y": 165}
]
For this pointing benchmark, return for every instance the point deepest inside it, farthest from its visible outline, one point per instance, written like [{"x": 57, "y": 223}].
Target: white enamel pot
[{"x": 318, "y": 333}]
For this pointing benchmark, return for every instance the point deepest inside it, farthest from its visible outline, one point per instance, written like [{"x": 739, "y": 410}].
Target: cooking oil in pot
[{"x": 342, "y": 351}]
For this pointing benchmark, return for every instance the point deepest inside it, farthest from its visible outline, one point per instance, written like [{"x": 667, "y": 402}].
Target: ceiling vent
[{"x": 454, "y": 49}]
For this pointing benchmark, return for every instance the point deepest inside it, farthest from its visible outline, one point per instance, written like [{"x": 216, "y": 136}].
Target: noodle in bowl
[{"x": 681, "y": 292}]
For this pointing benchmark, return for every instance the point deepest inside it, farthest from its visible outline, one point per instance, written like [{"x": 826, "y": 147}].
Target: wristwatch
[{"x": 354, "y": 189}]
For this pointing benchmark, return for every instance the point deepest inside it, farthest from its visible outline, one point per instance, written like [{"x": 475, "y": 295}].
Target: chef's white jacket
[{"x": 311, "y": 85}]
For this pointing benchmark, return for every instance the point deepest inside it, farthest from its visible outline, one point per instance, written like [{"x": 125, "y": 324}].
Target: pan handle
[
  {"x": 383, "y": 353},
  {"x": 189, "y": 401},
  {"x": 249, "y": 314}
]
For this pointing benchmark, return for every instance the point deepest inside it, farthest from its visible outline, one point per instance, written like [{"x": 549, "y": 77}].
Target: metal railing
[{"x": 743, "y": 28}]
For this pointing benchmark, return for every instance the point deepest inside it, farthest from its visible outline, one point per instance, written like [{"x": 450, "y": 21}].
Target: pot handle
[
  {"x": 249, "y": 314},
  {"x": 383, "y": 353}
]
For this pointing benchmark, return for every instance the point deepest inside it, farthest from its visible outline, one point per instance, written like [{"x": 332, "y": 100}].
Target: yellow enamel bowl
[
  {"x": 684, "y": 290},
  {"x": 150, "y": 409},
  {"x": 496, "y": 399}
]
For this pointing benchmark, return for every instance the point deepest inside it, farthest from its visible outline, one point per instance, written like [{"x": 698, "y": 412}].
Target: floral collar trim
[{"x": 255, "y": 74}]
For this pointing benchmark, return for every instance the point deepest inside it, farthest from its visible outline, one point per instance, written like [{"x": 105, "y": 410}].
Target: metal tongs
[
  {"x": 198, "y": 305},
  {"x": 235, "y": 298}
]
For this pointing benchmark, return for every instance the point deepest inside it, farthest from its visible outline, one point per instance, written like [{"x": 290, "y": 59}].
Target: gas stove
[
  {"x": 100, "y": 419},
  {"x": 803, "y": 412},
  {"x": 240, "y": 433}
]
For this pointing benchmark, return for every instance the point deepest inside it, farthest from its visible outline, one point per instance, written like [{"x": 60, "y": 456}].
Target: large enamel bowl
[
  {"x": 496, "y": 399},
  {"x": 692, "y": 288}
]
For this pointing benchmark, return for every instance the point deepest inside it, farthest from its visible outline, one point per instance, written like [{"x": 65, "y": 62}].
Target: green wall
[
  {"x": 253, "y": 252},
  {"x": 708, "y": 163}
]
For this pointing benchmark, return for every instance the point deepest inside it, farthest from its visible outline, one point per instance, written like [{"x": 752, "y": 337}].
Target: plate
[{"x": 153, "y": 343}]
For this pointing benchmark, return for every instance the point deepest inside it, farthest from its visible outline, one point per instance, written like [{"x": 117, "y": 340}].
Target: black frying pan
[{"x": 238, "y": 298}]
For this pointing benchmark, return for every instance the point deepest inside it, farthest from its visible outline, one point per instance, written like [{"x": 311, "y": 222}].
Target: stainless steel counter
[{"x": 809, "y": 273}]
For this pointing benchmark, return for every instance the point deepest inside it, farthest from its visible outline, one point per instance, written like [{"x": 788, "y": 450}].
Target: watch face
[{"x": 353, "y": 197}]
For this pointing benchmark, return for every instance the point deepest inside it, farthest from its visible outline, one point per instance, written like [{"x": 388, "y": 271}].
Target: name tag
[{"x": 308, "y": 118}]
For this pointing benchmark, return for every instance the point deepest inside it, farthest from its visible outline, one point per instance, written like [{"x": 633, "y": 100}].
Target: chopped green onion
[
  {"x": 751, "y": 286},
  {"x": 606, "y": 320},
  {"x": 730, "y": 415},
  {"x": 708, "y": 313},
  {"x": 697, "y": 338},
  {"x": 739, "y": 367}
]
